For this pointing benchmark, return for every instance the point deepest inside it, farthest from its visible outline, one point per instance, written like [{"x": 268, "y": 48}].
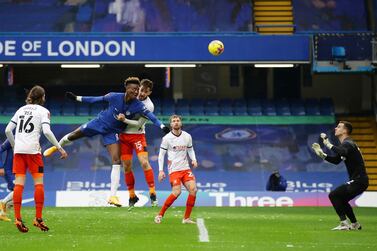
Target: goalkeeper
[{"x": 358, "y": 179}]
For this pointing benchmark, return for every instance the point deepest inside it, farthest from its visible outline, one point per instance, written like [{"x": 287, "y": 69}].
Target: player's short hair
[
  {"x": 147, "y": 83},
  {"x": 174, "y": 116},
  {"x": 132, "y": 80},
  {"x": 347, "y": 125},
  {"x": 35, "y": 95}
]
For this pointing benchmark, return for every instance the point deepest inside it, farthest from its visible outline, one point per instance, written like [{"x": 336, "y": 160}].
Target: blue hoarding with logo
[{"x": 119, "y": 48}]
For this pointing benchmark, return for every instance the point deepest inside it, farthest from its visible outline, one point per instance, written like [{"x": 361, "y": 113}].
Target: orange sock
[
  {"x": 189, "y": 205},
  {"x": 167, "y": 204},
  {"x": 39, "y": 198},
  {"x": 130, "y": 182},
  {"x": 17, "y": 200},
  {"x": 149, "y": 178}
]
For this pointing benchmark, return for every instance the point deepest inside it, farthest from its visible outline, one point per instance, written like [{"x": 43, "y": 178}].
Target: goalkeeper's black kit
[{"x": 358, "y": 179}]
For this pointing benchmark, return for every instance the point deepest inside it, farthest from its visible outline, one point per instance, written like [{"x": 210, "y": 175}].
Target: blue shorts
[{"x": 97, "y": 127}]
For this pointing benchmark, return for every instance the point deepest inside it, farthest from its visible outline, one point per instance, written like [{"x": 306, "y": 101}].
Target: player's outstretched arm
[
  {"x": 156, "y": 121},
  {"x": 84, "y": 99}
]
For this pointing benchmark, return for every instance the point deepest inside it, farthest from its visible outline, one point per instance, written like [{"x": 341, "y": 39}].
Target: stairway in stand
[
  {"x": 273, "y": 16},
  {"x": 365, "y": 135}
]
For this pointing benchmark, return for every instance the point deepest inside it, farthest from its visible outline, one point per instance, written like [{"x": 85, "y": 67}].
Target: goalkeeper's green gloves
[
  {"x": 317, "y": 149},
  {"x": 326, "y": 141}
]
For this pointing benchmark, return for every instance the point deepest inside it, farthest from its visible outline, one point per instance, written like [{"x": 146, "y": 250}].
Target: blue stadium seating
[
  {"x": 268, "y": 108},
  {"x": 282, "y": 108},
  {"x": 254, "y": 107},
  {"x": 297, "y": 108},
  {"x": 197, "y": 107}
]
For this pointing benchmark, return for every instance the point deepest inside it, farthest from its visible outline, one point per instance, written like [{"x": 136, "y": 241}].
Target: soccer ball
[{"x": 216, "y": 47}]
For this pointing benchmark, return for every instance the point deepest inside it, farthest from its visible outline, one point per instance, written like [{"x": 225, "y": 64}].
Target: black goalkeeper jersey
[{"x": 350, "y": 153}]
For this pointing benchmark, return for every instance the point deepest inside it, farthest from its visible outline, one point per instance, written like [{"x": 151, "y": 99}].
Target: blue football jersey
[{"x": 117, "y": 105}]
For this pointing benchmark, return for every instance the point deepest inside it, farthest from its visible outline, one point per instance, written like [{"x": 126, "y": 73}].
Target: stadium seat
[
  {"x": 254, "y": 107},
  {"x": 182, "y": 110},
  {"x": 55, "y": 108},
  {"x": 83, "y": 109},
  {"x": 211, "y": 107},
  {"x": 338, "y": 53},
  {"x": 297, "y": 108},
  {"x": 167, "y": 111},
  {"x": 69, "y": 109},
  {"x": 268, "y": 108},
  {"x": 282, "y": 108},
  {"x": 196, "y": 107},
  {"x": 157, "y": 111},
  {"x": 240, "y": 111},
  {"x": 168, "y": 107},
  {"x": 312, "y": 107},
  {"x": 197, "y": 110},
  {"x": 183, "y": 103},
  {"x": 326, "y": 106}
]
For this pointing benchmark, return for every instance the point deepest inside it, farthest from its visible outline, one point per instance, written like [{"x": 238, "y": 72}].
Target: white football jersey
[
  {"x": 177, "y": 147},
  {"x": 29, "y": 120},
  {"x": 132, "y": 129}
]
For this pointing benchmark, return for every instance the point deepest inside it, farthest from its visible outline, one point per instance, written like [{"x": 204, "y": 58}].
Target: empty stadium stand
[
  {"x": 198, "y": 107},
  {"x": 273, "y": 16}
]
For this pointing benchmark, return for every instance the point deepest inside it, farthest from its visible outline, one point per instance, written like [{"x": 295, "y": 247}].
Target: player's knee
[
  {"x": 176, "y": 193},
  {"x": 193, "y": 190},
  {"x": 145, "y": 164},
  {"x": 127, "y": 164},
  {"x": 115, "y": 159}
]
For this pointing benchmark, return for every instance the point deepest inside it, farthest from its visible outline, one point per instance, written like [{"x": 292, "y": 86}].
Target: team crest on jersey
[
  {"x": 128, "y": 113},
  {"x": 231, "y": 134}
]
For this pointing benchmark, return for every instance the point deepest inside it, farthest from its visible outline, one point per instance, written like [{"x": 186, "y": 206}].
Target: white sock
[
  {"x": 8, "y": 198},
  {"x": 115, "y": 179},
  {"x": 65, "y": 141}
]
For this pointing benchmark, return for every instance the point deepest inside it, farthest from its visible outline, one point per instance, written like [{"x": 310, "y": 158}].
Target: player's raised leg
[
  {"x": 66, "y": 140},
  {"x": 4, "y": 204}
]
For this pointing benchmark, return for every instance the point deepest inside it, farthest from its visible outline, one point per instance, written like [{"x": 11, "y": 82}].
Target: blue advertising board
[{"x": 131, "y": 48}]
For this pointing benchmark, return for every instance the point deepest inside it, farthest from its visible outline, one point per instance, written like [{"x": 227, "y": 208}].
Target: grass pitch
[{"x": 305, "y": 228}]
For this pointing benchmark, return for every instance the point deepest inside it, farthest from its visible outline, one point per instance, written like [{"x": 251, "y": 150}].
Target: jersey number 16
[{"x": 25, "y": 126}]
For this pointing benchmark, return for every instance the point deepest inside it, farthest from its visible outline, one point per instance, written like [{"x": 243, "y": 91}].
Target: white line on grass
[{"x": 203, "y": 232}]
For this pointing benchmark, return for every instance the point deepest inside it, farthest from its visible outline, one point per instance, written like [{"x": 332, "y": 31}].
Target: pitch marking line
[{"x": 203, "y": 232}]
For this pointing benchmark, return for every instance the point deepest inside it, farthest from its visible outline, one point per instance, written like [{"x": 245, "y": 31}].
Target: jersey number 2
[{"x": 26, "y": 126}]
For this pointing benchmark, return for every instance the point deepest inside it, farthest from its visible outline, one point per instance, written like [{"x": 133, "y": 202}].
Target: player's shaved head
[
  {"x": 132, "y": 80},
  {"x": 36, "y": 95}
]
